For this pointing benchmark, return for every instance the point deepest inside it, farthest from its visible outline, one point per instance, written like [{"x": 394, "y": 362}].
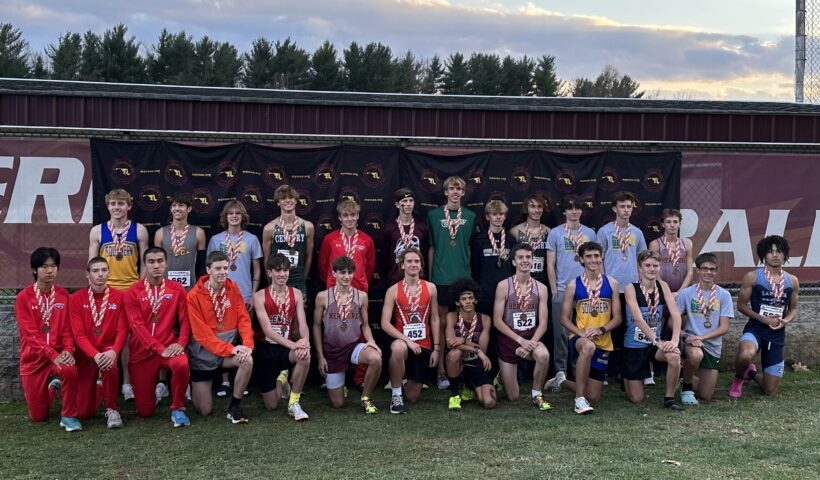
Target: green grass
[{"x": 757, "y": 437}]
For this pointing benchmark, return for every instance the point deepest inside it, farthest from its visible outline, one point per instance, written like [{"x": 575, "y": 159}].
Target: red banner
[{"x": 729, "y": 202}]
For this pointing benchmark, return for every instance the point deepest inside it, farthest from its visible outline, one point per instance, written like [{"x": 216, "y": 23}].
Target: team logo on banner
[
  {"x": 150, "y": 198},
  {"x": 122, "y": 172},
  {"x": 498, "y": 195},
  {"x": 637, "y": 209},
  {"x": 325, "y": 223},
  {"x": 653, "y": 181},
  {"x": 304, "y": 204},
  {"x": 373, "y": 175},
  {"x": 519, "y": 179},
  {"x": 325, "y": 176},
  {"x": 374, "y": 224},
  {"x": 275, "y": 175},
  {"x": 203, "y": 201},
  {"x": 430, "y": 181},
  {"x": 475, "y": 180},
  {"x": 252, "y": 197},
  {"x": 589, "y": 204},
  {"x": 610, "y": 180},
  {"x": 176, "y": 173},
  {"x": 565, "y": 181},
  {"x": 226, "y": 174},
  {"x": 350, "y": 193},
  {"x": 654, "y": 228}
]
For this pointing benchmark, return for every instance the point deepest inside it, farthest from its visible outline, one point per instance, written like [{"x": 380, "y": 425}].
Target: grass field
[{"x": 757, "y": 437}]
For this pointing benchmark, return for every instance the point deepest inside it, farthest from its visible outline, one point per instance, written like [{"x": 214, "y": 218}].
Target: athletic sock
[
  {"x": 226, "y": 384},
  {"x": 686, "y": 386},
  {"x": 294, "y": 398},
  {"x": 536, "y": 393},
  {"x": 751, "y": 374},
  {"x": 396, "y": 392},
  {"x": 234, "y": 401},
  {"x": 456, "y": 386}
]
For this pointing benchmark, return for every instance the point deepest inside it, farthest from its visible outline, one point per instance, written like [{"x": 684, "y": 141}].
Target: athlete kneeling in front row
[
  {"x": 708, "y": 309},
  {"x": 468, "y": 334},
  {"x": 645, "y": 302},
  {"x": 520, "y": 316},
  {"x": 412, "y": 306},
  {"x": 282, "y": 339},
  {"x": 596, "y": 313},
  {"x": 339, "y": 322}
]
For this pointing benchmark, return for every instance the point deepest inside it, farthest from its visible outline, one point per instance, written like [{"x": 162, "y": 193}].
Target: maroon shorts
[
  {"x": 338, "y": 360},
  {"x": 507, "y": 346}
]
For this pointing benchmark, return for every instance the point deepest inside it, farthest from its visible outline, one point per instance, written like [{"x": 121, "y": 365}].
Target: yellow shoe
[
  {"x": 369, "y": 406},
  {"x": 454, "y": 403},
  {"x": 467, "y": 395},
  {"x": 541, "y": 403}
]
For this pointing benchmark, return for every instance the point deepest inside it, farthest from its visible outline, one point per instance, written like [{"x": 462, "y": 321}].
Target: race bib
[
  {"x": 524, "y": 321},
  {"x": 537, "y": 265},
  {"x": 415, "y": 331},
  {"x": 771, "y": 311},
  {"x": 641, "y": 337},
  {"x": 469, "y": 357},
  {"x": 182, "y": 277},
  {"x": 279, "y": 330},
  {"x": 294, "y": 259}
]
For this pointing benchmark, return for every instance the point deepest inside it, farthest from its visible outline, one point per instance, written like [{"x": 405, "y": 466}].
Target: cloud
[{"x": 582, "y": 44}]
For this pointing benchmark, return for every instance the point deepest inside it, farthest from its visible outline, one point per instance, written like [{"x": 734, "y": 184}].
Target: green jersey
[
  {"x": 296, "y": 254},
  {"x": 452, "y": 256}
]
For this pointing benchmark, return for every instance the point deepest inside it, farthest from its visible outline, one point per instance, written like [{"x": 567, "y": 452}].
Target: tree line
[{"x": 179, "y": 59}]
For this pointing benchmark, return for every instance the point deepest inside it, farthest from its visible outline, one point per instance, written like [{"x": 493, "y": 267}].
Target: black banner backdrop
[{"x": 151, "y": 171}]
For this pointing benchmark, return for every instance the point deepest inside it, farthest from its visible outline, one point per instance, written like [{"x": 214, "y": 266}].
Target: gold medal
[
  {"x": 46, "y": 329},
  {"x": 343, "y": 326},
  {"x": 675, "y": 270},
  {"x": 577, "y": 258},
  {"x": 292, "y": 251},
  {"x": 233, "y": 267},
  {"x": 220, "y": 326},
  {"x": 452, "y": 242},
  {"x": 119, "y": 256},
  {"x": 624, "y": 258},
  {"x": 707, "y": 324},
  {"x": 98, "y": 331},
  {"x": 593, "y": 312},
  {"x": 155, "y": 319}
]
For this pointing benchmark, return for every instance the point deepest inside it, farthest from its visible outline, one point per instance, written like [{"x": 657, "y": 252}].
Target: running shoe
[
  {"x": 295, "y": 411},
  {"x": 443, "y": 383},
  {"x": 467, "y": 394},
  {"x": 127, "y": 392},
  {"x": 113, "y": 418},
  {"x": 179, "y": 418},
  {"x": 649, "y": 380},
  {"x": 369, "y": 406},
  {"x": 397, "y": 405},
  {"x": 71, "y": 424},
  {"x": 736, "y": 390},
  {"x": 236, "y": 415},
  {"x": 454, "y": 403},
  {"x": 224, "y": 390},
  {"x": 582, "y": 406},
  {"x": 56, "y": 384},
  {"x": 673, "y": 405},
  {"x": 161, "y": 391},
  {"x": 554, "y": 383},
  {"x": 687, "y": 397},
  {"x": 542, "y": 404}
]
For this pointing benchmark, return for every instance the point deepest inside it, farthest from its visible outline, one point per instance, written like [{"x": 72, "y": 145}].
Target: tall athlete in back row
[{"x": 290, "y": 236}]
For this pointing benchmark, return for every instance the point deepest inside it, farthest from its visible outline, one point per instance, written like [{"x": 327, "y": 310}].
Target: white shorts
[{"x": 337, "y": 380}]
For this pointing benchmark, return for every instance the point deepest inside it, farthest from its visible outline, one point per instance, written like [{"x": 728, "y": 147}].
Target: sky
[{"x": 694, "y": 49}]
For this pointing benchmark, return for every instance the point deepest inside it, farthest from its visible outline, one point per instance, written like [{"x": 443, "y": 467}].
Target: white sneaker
[
  {"x": 161, "y": 391},
  {"x": 443, "y": 383},
  {"x": 113, "y": 418},
  {"x": 554, "y": 384},
  {"x": 297, "y": 413},
  {"x": 56, "y": 384},
  {"x": 127, "y": 392},
  {"x": 582, "y": 406},
  {"x": 188, "y": 393},
  {"x": 649, "y": 380}
]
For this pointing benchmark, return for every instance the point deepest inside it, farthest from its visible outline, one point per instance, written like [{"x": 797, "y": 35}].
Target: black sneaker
[
  {"x": 224, "y": 390},
  {"x": 235, "y": 415},
  {"x": 397, "y": 405},
  {"x": 673, "y": 405}
]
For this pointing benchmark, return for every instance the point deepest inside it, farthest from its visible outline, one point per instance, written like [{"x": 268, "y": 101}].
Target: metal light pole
[{"x": 799, "y": 49}]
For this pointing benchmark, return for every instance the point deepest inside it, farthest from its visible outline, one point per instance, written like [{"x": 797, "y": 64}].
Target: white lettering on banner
[
  {"x": 28, "y": 186},
  {"x": 813, "y": 255},
  {"x": 777, "y": 226},
  {"x": 740, "y": 243},
  {"x": 689, "y": 223},
  {"x": 5, "y": 162}
]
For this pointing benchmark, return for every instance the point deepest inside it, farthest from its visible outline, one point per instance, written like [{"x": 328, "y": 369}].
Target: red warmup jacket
[
  {"x": 173, "y": 312},
  {"x": 34, "y": 351},
  {"x": 114, "y": 328},
  {"x": 203, "y": 318},
  {"x": 364, "y": 256}
]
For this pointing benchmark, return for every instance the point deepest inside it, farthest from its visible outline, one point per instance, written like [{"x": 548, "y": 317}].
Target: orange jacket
[{"x": 203, "y": 318}]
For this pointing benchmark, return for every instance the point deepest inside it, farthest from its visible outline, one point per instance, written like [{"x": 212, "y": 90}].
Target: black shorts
[
  {"x": 207, "y": 375},
  {"x": 444, "y": 297},
  {"x": 475, "y": 376},
  {"x": 417, "y": 367},
  {"x": 268, "y": 360},
  {"x": 636, "y": 362}
]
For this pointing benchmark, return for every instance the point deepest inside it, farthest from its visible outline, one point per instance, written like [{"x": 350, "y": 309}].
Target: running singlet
[
  {"x": 285, "y": 324},
  {"x": 539, "y": 255},
  {"x": 475, "y": 337},
  {"x": 634, "y": 336},
  {"x": 296, "y": 254},
  {"x": 763, "y": 302},
  {"x": 339, "y": 334},
  {"x": 181, "y": 263},
  {"x": 124, "y": 271},
  {"x": 583, "y": 311},
  {"x": 414, "y": 324},
  {"x": 522, "y": 319},
  {"x": 668, "y": 272}
]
